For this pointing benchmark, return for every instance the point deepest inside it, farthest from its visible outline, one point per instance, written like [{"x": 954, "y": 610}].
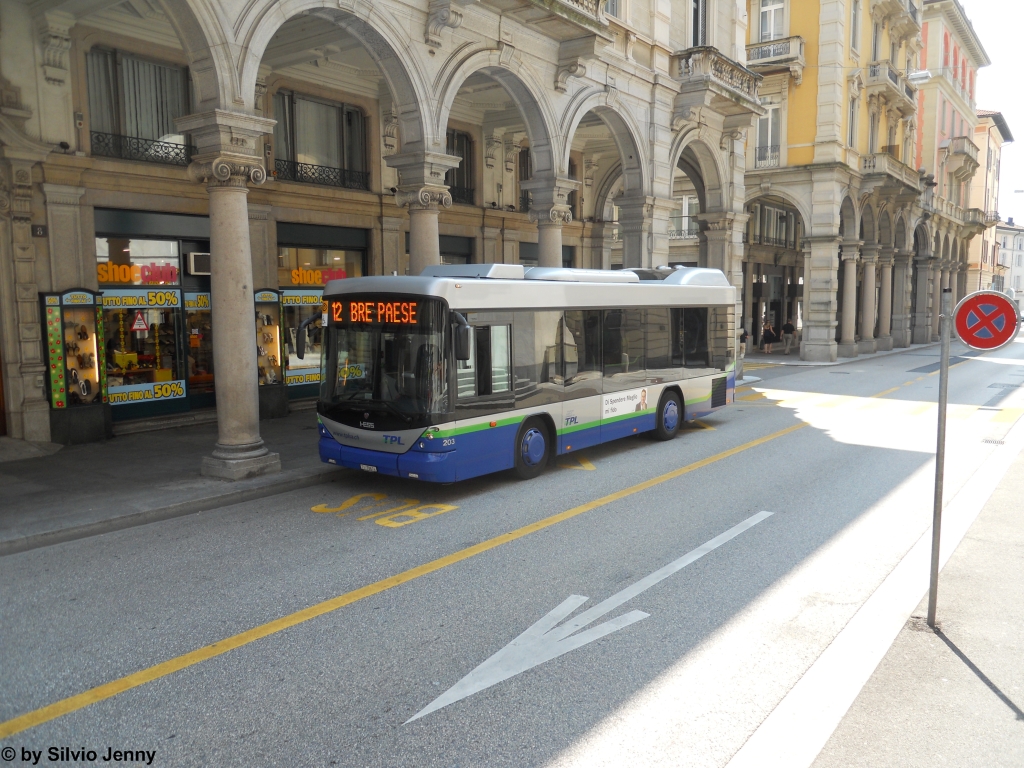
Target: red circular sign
[{"x": 986, "y": 320}]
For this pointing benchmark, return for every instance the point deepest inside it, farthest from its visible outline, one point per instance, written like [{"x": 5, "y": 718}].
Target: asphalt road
[{"x": 235, "y": 658}]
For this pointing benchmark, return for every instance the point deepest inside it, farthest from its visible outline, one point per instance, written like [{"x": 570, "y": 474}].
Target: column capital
[
  {"x": 869, "y": 253},
  {"x": 550, "y": 215},
  {"x": 426, "y": 197},
  {"x": 227, "y": 152},
  {"x": 422, "y": 169}
]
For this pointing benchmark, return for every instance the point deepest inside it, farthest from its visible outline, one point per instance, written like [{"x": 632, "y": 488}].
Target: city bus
[{"x": 470, "y": 369}]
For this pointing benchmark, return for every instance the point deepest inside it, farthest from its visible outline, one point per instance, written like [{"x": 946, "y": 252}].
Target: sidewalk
[
  {"x": 84, "y": 490},
  {"x": 759, "y": 359},
  {"x": 953, "y": 697}
]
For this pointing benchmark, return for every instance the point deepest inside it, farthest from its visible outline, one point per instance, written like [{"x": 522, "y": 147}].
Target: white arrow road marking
[{"x": 545, "y": 641}]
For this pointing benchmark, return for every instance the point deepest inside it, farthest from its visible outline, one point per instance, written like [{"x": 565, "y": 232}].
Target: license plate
[{"x": 367, "y": 468}]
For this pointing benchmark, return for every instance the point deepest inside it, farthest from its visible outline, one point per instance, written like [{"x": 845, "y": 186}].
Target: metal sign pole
[{"x": 945, "y": 319}]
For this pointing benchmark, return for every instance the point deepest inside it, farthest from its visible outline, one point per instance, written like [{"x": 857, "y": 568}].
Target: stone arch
[
  {"x": 528, "y": 95},
  {"x": 868, "y": 229},
  {"x": 899, "y": 240},
  {"x": 848, "y": 219},
  {"x": 212, "y": 69},
  {"x": 945, "y": 247},
  {"x": 381, "y": 35},
  {"x": 754, "y": 193},
  {"x": 885, "y": 233},
  {"x": 624, "y": 130},
  {"x": 691, "y": 153}
]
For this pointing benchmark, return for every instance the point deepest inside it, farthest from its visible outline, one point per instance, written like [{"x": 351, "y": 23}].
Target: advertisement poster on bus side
[{"x": 629, "y": 401}]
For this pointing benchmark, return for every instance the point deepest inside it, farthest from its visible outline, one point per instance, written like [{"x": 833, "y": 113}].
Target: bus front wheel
[
  {"x": 532, "y": 449},
  {"x": 670, "y": 416}
]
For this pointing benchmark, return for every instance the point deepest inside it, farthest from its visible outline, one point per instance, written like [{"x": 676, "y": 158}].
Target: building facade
[
  {"x": 859, "y": 174},
  {"x": 1010, "y": 242},
  {"x": 171, "y": 171},
  {"x": 986, "y": 267}
]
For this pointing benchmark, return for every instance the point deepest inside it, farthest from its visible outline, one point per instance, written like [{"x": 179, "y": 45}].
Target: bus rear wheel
[
  {"x": 532, "y": 448},
  {"x": 670, "y": 416}
]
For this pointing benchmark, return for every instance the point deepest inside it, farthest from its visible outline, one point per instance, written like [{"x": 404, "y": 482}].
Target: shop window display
[
  {"x": 268, "y": 337},
  {"x": 297, "y": 307},
  {"x": 74, "y": 338},
  {"x": 199, "y": 340},
  {"x": 144, "y": 361}
]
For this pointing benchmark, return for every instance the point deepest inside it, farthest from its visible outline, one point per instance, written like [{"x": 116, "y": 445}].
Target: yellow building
[
  {"x": 846, "y": 228},
  {"x": 987, "y": 267}
]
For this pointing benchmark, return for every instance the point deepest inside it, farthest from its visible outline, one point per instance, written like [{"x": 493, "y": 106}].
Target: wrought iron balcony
[
  {"x": 306, "y": 173},
  {"x": 887, "y": 82},
  {"x": 778, "y": 55},
  {"x": 901, "y": 15},
  {"x": 708, "y": 78},
  {"x": 682, "y": 228},
  {"x": 143, "y": 150},
  {"x": 463, "y": 195},
  {"x": 524, "y": 201},
  {"x": 771, "y": 240},
  {"x": 992, "y": 218},
  {"x": 767, "y": 157}
]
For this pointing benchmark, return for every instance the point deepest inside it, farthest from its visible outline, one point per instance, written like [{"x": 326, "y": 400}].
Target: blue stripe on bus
[{"x": 487, "y": 450}]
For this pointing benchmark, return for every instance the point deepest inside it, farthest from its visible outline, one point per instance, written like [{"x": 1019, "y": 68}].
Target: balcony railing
[
  {"x": 733, "y": 87},
  {"x": 682, "y": 228},
  {"x": 992, "y": 218},
  {"x": 778, "y": 242},
  {"x": 306, "y": 173},
  {"x": 974, "y": 216},
  {"x": 767, "y": 157},
  {"x": 778, "y": 55},
  {"x": 886, "y": 80},
  {"x": 463, "y": 195},
  {"x": 524, "y": 201},
  {"x": 884, "y": 164},
  {"x": 143, "y": 150},
  {"x": 961, "y": 145}
]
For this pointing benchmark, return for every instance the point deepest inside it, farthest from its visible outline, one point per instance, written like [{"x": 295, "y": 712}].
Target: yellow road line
[{"x": 157, "y": 671}]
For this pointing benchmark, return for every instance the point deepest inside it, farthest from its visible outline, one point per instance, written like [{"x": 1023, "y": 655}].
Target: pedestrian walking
[
  {"x": 768, "y": 337},
  {"x": 788, "y": 335}
]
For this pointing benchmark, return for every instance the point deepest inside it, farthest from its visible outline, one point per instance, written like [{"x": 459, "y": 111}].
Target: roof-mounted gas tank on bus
[{"x": 478, "y": 368}]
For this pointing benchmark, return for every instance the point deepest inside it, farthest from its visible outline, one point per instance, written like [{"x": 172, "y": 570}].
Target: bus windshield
[{"x": 385, "y": 356}]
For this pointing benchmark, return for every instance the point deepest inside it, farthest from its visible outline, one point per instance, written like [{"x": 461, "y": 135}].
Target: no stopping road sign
[{"x": 986, "y": 320}]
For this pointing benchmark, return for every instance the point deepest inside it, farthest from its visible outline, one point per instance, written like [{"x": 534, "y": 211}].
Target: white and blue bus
[{"x": 471, "y": 369}]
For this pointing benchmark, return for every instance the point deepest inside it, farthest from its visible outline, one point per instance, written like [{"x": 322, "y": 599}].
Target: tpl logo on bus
[{"x": 393, "y": 440}]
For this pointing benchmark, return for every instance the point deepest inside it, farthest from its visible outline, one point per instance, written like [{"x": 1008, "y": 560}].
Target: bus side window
[
  {"x": 623, "y": 342},
  {"x": 488, "y": 370},
  {"x": 538, "y": 357},
  {"x": 690, "y": 337},
  {"x": 658, "y": 348},
  {"x": 581, "y": 336},
  {"x": 465, "y": 374}
]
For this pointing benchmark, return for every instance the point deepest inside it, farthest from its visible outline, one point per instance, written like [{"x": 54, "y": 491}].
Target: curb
[{"x": 303, "y": 478}]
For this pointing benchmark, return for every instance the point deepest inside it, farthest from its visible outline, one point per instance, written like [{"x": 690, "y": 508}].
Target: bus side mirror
[
  {"x": 463, "y": 338},
  {"x": 300, "y": 337}
]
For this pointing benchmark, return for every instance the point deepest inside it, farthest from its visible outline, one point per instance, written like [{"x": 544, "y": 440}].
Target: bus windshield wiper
[{"x": 394, "y": 409}]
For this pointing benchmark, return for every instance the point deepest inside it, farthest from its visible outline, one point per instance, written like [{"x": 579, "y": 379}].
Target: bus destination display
[{"x": 368, "y": 312}]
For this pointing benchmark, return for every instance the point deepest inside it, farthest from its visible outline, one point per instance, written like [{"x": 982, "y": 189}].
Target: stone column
[
  {"x": 884, "y": 341},
  {"x": 803, "y": 299},
  {"x": 848, "y": 327},
  {"x": 867, "y": 344},
  {"x": 227, "y": 161},
  {"x": 550, "y": 210},
  {"x": 422, "y": 188},
  {"x": 922, "y": 320},
  {"x": 902, "y": 288},
  {"x": 938, "y": 276},
  {"x": 820, "y": 284},
  {"x": 636, "y": 219},
  {"x": 748, "y": 299},
  {"x": 724, "y": 237}
]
